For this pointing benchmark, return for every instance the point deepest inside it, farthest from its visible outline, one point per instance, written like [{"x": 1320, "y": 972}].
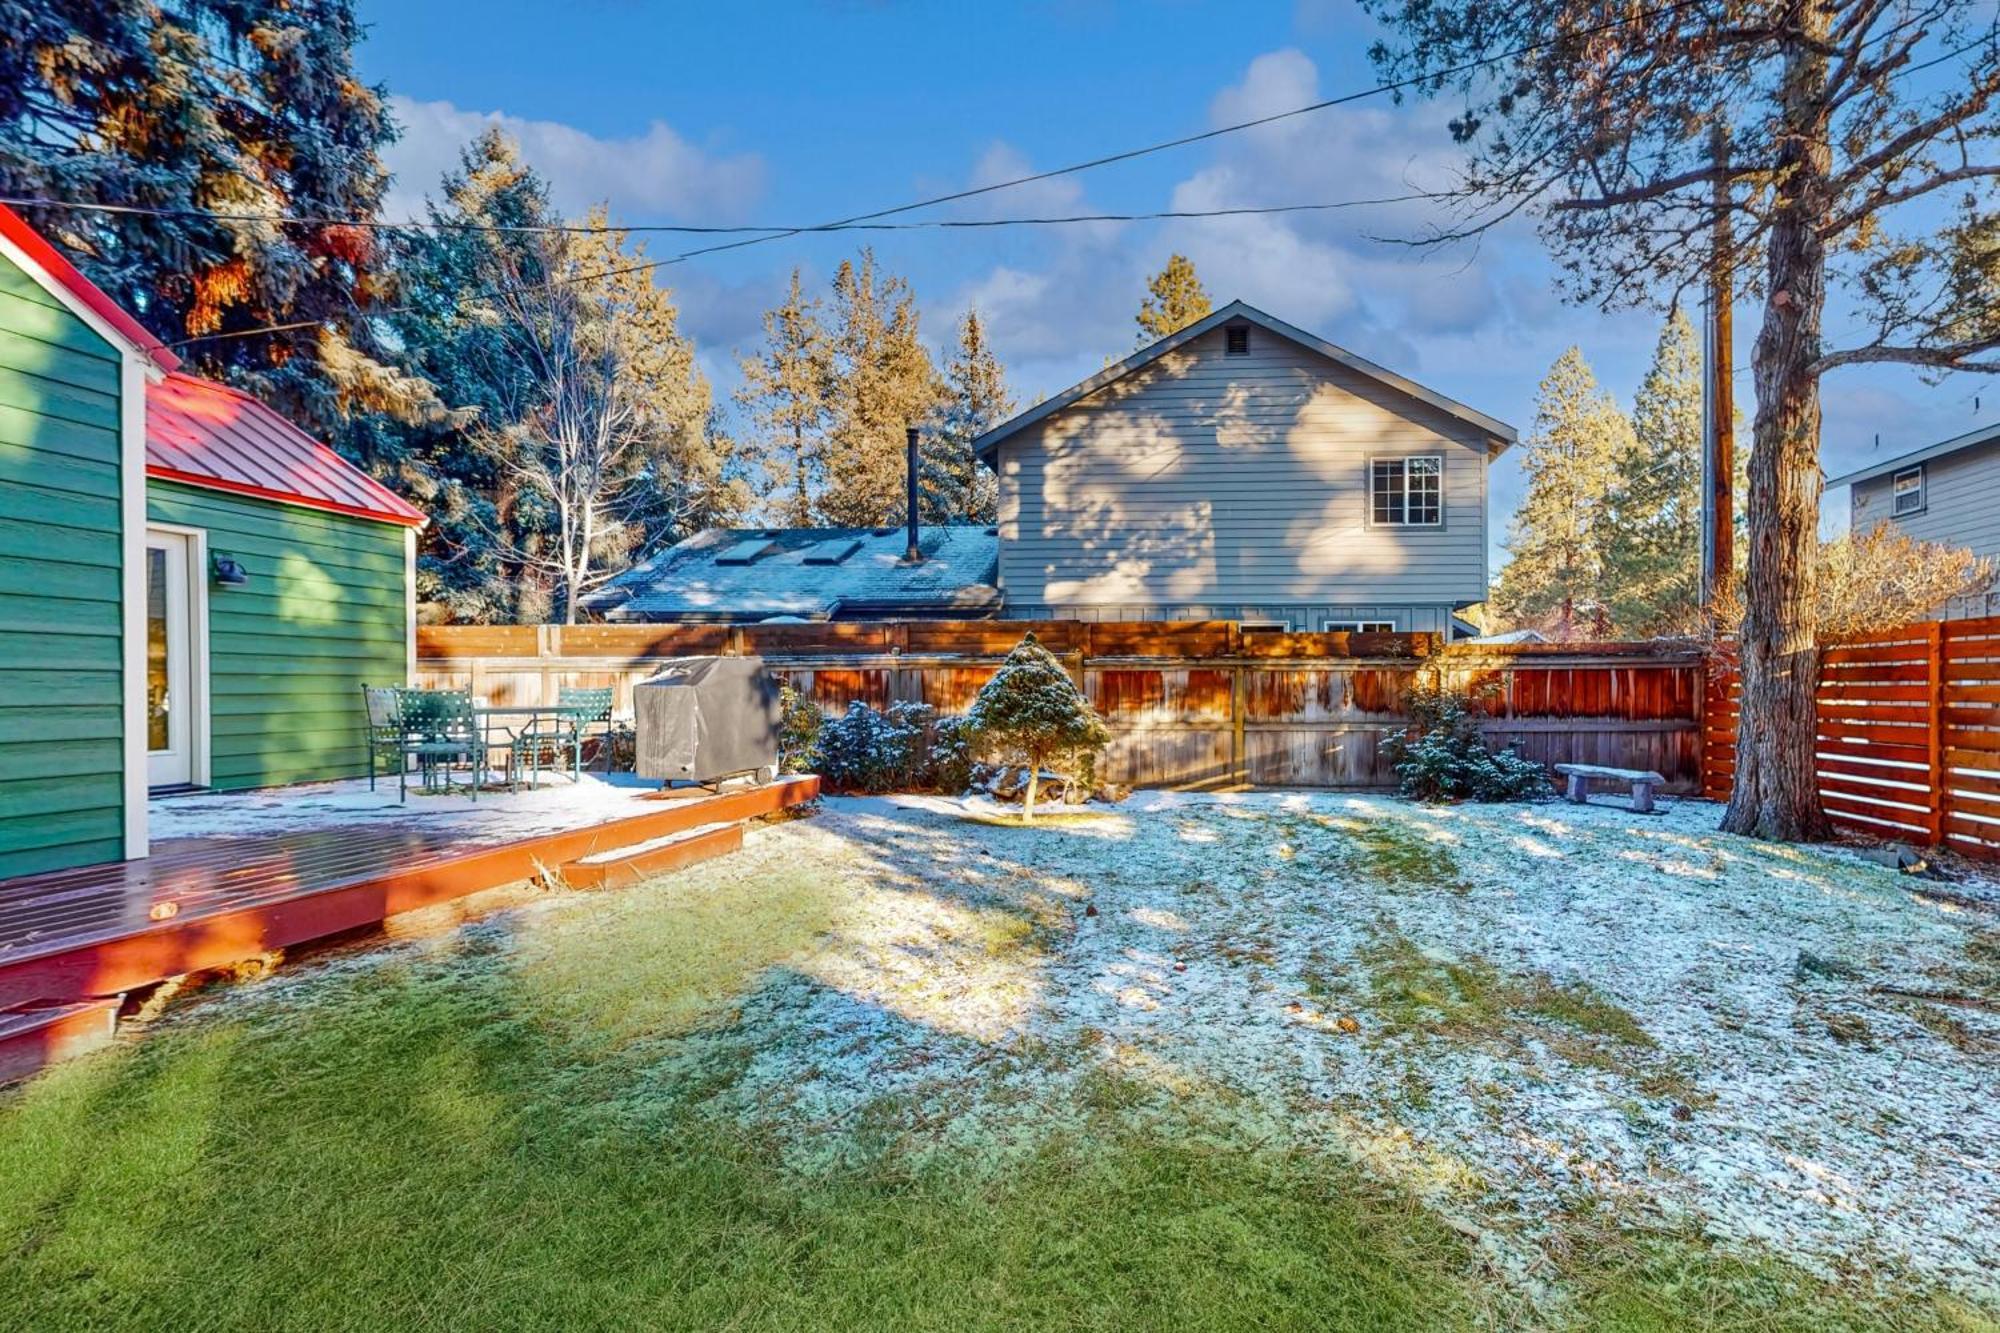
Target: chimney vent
[{"x": 913, "y": 555}]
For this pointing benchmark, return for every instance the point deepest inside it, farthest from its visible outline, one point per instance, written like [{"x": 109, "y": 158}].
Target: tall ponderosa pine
[
  {"x": 785, "y": 392},
  {"x": 1032, "y": 714},
  {"x": 1852, "y": 148},
  {"x": 957, "y": 488},
  {"x": 250, "y": 108},
  {"x": 883, "y": 383},
  {"x": 1175, "y": 299},
  {"x": 1559, "y": 532},
  {"x": 1652, "y": 546}
]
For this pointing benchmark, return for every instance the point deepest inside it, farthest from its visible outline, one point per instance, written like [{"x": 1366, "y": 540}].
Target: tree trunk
[
  {"x": 1034, "y": 785},
  {"x": 1776, "y": 795}
]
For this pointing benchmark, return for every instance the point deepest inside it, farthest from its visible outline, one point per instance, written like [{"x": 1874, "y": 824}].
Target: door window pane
[{"x": 156, "y": 649}]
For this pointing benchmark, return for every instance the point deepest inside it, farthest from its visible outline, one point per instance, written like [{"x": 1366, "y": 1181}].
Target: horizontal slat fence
[
  {"x": 1189, "y": 704},
  {"x": 1908, "y": 740}
]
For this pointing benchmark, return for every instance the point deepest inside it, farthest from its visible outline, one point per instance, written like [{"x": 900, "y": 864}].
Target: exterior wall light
[{"x": 227, "y": 571}]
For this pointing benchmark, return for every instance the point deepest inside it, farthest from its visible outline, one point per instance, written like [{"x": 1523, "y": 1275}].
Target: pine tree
[
  {"x": 883, "y": 383},
  {"x": 785, "y": 392},
  {"x": 1031, "y": 713},
  {"x": 250, "y": 108},
  {"x": 957, "y": 488},
  {"x": 1558, "y": 535},
  {"x": 1175, "y": 299},
  {"x": 1652, "y": 546}
]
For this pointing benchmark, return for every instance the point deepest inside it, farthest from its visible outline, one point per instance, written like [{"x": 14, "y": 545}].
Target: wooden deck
[{"x": 73, "y": 938}]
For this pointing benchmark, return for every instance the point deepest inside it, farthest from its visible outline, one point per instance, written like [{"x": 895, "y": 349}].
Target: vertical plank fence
[{"x": 1189, "y": 704}]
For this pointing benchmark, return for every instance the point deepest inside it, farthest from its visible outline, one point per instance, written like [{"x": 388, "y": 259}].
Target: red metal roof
[
  {"x": 16, "y": 229},
  {"x": 208, "y": 434}
]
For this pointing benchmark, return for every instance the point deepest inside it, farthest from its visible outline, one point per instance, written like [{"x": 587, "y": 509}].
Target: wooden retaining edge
[
  {"x": 689, "y": 849},
  {"x": 126, "y": 962},
  {"x": 32, "y": 1038}
]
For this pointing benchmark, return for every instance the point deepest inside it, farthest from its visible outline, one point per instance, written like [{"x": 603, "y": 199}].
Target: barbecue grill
[{"x": 703, "y": 719}]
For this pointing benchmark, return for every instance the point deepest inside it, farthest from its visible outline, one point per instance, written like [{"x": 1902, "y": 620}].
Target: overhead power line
[
  {"x": 575, "y": 229},
  {"x": 1435, "y": 79}
]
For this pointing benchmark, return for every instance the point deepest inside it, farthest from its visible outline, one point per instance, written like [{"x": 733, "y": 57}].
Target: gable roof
[
  {"x": 808, "y": 573},
  {"x": 206, "y": 434},
  {"x": 1498, "y": 431},
  {"x": 1971, "y": 439},
  {"x": 87, "y": 293}
]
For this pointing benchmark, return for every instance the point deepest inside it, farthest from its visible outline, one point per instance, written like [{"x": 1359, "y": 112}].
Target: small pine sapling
[{"x": 1031, "y": 712}]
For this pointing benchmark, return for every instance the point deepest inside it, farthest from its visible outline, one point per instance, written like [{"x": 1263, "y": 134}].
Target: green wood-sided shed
[{"x": 192, "y": 590}]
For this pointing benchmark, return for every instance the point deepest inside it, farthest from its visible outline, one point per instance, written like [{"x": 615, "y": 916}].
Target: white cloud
[{"x": 655, "y": 174}]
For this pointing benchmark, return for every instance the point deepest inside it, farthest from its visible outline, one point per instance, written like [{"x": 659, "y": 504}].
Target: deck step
[
  {"x": 31, "y": 1038},
  {"x": 620, "y": 866}
]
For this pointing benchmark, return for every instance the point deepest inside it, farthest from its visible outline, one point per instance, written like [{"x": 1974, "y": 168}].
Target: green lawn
[{"x": 553, "y": 1120}]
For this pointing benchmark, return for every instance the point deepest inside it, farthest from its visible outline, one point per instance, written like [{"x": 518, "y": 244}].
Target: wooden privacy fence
[
  {"x": 1908, "y": 741},
  {"x": 1192, "y": 703}
]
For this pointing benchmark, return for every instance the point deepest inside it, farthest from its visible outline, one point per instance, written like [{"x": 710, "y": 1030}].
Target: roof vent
[
  {"x": 1236, "y": 340},
  {"x": 743, "y": 552}
]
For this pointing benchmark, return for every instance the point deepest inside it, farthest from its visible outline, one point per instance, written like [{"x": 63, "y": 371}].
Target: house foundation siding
[{"x": 62, "y": 729}]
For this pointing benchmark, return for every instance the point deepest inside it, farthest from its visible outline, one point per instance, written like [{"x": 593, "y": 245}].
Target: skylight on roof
[
  {"x": 830, "y": 552},
  {"x": 743, "y": 552}
]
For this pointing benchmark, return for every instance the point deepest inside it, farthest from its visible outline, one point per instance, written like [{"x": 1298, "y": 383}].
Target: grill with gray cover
[{"x": 703, "y": 719}]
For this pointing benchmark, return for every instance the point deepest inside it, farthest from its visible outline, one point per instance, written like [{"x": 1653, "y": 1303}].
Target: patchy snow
[
  {"x": 558, "y": 803},
  {"x": 1234, "y": 955},
  {"x": 1527, "y": 1014},
  {"x": 665, "y": 840}
]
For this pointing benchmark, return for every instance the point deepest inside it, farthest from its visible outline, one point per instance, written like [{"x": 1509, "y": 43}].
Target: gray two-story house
[
  {"x": 1243, "y": 469},
  {"x": 1240, "y": 469},
  {"x": 1948, "y": 492}
]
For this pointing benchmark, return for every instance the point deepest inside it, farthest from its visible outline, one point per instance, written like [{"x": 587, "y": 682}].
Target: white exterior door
[{"x": 171, "y": 706}]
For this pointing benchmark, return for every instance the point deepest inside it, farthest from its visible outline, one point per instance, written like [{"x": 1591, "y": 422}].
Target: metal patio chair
[
  {"x": 575, "y": 711},
  {"x": 383, "y": 721},
  {"x": 439, "y": 726}
]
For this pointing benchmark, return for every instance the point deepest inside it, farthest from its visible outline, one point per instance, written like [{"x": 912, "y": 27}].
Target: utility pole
[{"x": 1718, "y": 434}]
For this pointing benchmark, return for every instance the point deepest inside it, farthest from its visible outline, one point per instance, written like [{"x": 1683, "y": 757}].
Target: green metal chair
[
  {"x": 384, "y": 723},
  {"x": 575, "y": 711},
  {"x": 439, "y": 726}
]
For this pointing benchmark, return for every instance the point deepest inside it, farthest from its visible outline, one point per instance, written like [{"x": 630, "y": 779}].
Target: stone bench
[{"x": 1582, "y": 775}]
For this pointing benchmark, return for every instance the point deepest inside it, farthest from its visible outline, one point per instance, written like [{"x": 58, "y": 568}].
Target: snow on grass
[
  {"x": 1527, "y": 1013},
  {"x": 1538, "y": 1019}
]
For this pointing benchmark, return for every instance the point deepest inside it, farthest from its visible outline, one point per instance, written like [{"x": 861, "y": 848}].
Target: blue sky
[{"x": 808, "y": 112}]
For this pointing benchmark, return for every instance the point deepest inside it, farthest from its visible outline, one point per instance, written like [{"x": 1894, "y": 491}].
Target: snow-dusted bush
[
  {"x": 907, "y": 748},
  {"x": 798, "y": 731},
  {"x": 1032, "y": 714},
  {"x": 1442, "y": 757}
]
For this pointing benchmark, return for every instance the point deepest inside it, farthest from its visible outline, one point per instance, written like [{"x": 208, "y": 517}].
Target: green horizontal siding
[
  {"x": 61, "y": 719},
  {"x": 288, "y": 653}
]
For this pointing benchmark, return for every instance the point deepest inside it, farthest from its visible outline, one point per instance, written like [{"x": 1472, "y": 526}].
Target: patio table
[{"x": 511, "y": 717}]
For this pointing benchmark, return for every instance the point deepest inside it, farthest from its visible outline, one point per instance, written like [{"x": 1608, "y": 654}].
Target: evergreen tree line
[{"x": 1607, "y": 541}]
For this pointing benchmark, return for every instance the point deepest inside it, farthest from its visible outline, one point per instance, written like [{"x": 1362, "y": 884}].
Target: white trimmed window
[
  {"x": 1407, "y": 492},
  {"x": 1360, "y": 627},
  {"x": 1906, "y": 492}
]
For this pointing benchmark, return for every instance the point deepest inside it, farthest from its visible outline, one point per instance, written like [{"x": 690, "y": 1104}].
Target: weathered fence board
[{"x": 1189, "y": 704}]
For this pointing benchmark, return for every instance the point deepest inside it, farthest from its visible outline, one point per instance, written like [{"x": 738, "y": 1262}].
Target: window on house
[
  {"x": 1906, "y": 492},
  {"x": 1265, "y": 626},
  {"x": 1408, "y": 491},
  {"x": 1360, "y": 627},
  {"x": 1236, "y": 340}
]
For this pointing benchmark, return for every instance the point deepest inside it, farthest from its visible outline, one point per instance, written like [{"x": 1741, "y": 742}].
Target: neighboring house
[
  {"x": 192, "y": 591},
  {"x": 744, "y": 575},
  {"x": 1242, "y": 469},
  {"x": 1948, "y": 493}
]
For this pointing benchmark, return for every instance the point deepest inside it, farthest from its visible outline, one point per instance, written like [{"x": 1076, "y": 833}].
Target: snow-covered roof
[
  {"x": 1510, "y": 636},
  {"x": 753, "y": 574}
]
